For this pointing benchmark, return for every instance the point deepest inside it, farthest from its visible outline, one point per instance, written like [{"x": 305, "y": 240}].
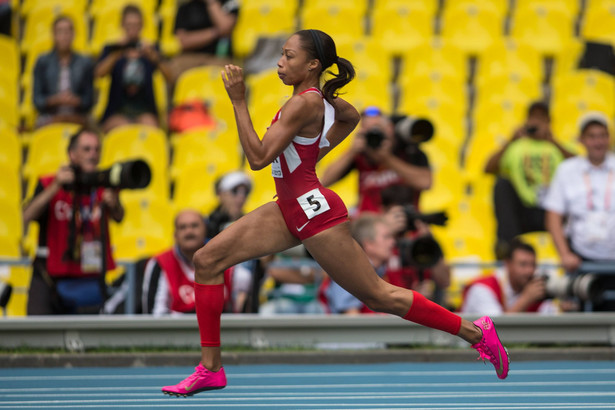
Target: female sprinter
[{"x": 310, "y": 124}]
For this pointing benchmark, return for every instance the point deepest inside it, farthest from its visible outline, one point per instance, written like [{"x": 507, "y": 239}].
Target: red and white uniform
[{"x": 308, "y": 207}]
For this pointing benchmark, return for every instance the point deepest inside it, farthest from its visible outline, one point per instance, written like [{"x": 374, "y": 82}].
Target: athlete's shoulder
[{"x": 306, "y": 105}]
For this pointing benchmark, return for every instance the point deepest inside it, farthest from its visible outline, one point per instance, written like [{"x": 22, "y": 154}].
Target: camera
[
  {"x": 434, "y": 218},
  {"x": 422, "y": 252},
  {"x": 413, "y": 130},
  {"x": 586, "y": 287},
  {"x": 531, "y": 130},
  {"x": 374, "y": 138},
  {"x": 134, "y": 174},
  {"x": 122, "y": 47}
]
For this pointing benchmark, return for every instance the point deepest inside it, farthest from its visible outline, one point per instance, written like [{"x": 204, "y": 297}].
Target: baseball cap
[
  {"x": 592, "y": 118},
  {"x": 232, "y": 180}
]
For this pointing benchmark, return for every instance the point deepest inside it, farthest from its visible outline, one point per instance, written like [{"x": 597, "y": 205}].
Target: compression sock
[
  {"x": 427, "y": 313},
  {"x": 209, "y": 305}
]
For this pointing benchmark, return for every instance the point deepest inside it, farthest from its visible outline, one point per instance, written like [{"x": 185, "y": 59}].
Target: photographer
[
  {"x": 417, "y": 262},
  {"x": 131, "y": 63},
  {"x": 68, "y": 271},
  {"x": 383, "y": 159},
  {"x": 524, "y": 166},
  {"x": 521, "y": 290}
]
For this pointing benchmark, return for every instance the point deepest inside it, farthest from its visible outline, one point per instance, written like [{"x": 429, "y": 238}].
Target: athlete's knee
[{"x": 206, "y": 265}]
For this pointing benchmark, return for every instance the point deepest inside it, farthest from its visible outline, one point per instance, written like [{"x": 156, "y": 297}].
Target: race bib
[
  {"x": 313, "y": 203},
  {"x": 276, "y": 168},
  {"x": 91, "y": 256}
]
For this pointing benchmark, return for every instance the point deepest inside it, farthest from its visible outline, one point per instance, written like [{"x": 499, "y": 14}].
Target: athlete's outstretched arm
[
  {"x": 346, "y": 119},
  {"x": 261, "y": 153}
]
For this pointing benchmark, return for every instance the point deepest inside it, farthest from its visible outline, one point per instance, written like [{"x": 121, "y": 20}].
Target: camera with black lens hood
[
  {"x": 135, "y": 174},
  {"x": 584, "y": 286},
  {"x": 422, "y": 251}
]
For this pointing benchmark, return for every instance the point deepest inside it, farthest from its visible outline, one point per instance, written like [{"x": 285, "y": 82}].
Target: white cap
[
  {"x": 231, "y": 180},
  {"x": 595, "y": 116}
]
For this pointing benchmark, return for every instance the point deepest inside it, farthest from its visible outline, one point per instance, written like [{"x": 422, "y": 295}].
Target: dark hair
[
  {"x": 74, "y": 139},
  {"x": 539, "y": 106},
  {"x": 131, "y": 9},
  {"x": 322, "y": 47},
  {"x": 62, "y": 17},
  {"x": 591, "y": 122},
  {"x": 518, "y": 245}
]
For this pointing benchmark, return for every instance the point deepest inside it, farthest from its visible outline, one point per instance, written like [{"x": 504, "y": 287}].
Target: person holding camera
[
  {"x": 581, "y": 200},
  {"x": 383, "y": 158},
  {"x": 524, "y": 167},
  {"x": 63, "y": 87},
  {"x": 520, "y": 290},
  {"x": 69, "y": 268},
  {"x": 131, "y": 64}
]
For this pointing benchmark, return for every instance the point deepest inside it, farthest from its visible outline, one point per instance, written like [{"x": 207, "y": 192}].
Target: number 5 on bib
[{"x": 313, "y": 203}]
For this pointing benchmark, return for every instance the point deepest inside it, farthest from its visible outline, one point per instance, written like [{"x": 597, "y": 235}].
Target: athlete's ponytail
[{"x": 322, "y": 47}]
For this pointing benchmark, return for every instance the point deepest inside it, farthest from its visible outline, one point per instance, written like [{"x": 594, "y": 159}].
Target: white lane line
[
  {"x": 361, "y": 386},
  {"x": 499, "y": 406},
  {"x": 317, "y": 374}
]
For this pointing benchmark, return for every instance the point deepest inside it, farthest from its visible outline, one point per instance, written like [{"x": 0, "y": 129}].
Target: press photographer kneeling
[{"x": 72, "y": 209}]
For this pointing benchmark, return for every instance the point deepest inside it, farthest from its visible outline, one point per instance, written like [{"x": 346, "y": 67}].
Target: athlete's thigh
[
  {"x": 259, "y": 233},
  {"x": 344, "y": 260}
]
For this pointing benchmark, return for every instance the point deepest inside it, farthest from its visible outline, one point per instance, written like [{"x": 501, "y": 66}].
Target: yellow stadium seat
[
  {"x": 194, "y": 186},
  {"x": 263, "y": 188},
  {"x": 572, "y": 7},
  {"x": 327, "y": 16},
  {"x": 546, "y": 252},
  {"x": 431, "y": 6},
  {"x": 204, "y": 84},
  {"x": 39, "y": 24},
  {"x": 368, "y": 57},
  {"x": 576, "y": 94},
  {"x": 262, "y": 19},
  {"x": 511, "y": 86},
  {"x": 10, "y": 154},
  {"x": 144, "y": 142},
  {"x": 435, "y": 58},
  {"x": 509, "y": 56},
  {"x": 267, "y": 90},
  {"x": 102, "y": 6},
  {"x": 38, "y": 47},
  {"x": 567, "y": 60},
  {"x": 497, "y": 117},
  {"x": 47, "y": 150},
  {"x": 29, "y": 6},
  {"x": 200, "y": 147},
  {"x": 107, "y": 29},
  {"x": 439, "y": 99},
  {"x": 547, "y": 26},
  {"x": 147, "y": 229},
  {"x": 9, "y": 247},
  {"x": 479, "y": 149},
  {"x": 499, "y": 6},
  {"x": 598, "y": 23},
  {"x": 445, "y": 188},
  {"x": 9, "y": 51},
  {"x": 169, "y": 45},
  {"x": 10, "y": 185},
  {"x": 472, "y": 26},
  {"x": 400, "y": 26},
  {"x": 9, "y": 90},
  {"x": 366, "y": 90},
  {"x": 159, "y": 84},
  {"x": 11, "y": 221}
]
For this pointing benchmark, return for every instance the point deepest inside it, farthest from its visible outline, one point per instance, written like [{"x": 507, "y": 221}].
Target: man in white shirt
[
  {"x": 519, "y": 291},
  {"x": 580, "y": 203}
]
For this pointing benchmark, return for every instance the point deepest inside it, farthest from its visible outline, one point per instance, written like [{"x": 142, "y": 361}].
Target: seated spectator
[
  {"x": 68, "y": 271},
  {"x": 203, "y": 29},
  {"x": 524, "y": 166},
  {"x": 390, "y": 160},
  {"x": 168, "y": 284},
  {"x": 581, "y": 200},
  {"x": 232, "y": 190},
  {"x": 296, "y": 286},
  {"x": 63, "y": 83},
  {"x": 132, "y": 63},
  {"x": 375, "y": 236},
  {"x": 520, "y": 290}
]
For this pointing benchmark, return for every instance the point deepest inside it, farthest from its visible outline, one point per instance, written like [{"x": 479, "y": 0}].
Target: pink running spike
[
  {"x": 490, "y": 348},
  {"x": 201, "y": 380}
]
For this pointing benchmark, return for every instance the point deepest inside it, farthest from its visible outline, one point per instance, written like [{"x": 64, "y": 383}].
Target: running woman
[{"x": 309, "y": 124}]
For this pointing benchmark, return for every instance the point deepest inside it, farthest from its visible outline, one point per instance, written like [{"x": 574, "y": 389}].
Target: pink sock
[
  {"x": 427, "y": 313},
  {"x": 209, "y": 305}
]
